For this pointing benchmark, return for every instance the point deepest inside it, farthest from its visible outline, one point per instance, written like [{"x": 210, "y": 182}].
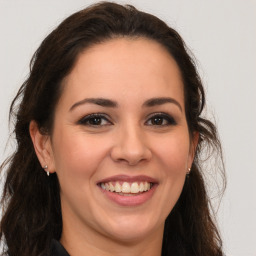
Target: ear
[
  {"x": 193, "y": 146},
  {"x": 42, "y": 146}
]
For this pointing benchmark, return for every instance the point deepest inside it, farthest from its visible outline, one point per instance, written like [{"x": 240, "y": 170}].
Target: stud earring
[
  {"x": 188, "y": 172},
  {"x": 46, "y": 169}
]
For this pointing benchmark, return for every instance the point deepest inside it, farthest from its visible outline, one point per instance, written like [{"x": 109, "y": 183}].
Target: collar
[{"x": 57, "y": 249}]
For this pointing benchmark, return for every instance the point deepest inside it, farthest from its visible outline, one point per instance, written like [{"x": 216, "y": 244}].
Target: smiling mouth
[{"x": 127, "y": 188}]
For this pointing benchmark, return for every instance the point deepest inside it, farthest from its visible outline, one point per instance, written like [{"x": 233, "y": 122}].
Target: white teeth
[
  {"x": 135, "y": 188},
  {"x": 111, "y": 187},
  {"x": 118, "y": 187},
  {"x": 126, "y": 188},
  {"x": 141, "y": 187}
]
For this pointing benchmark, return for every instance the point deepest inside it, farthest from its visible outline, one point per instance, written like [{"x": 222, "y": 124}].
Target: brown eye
[
  {"x": 161, "y": 120},
  {"x": 157, "y": 120},
  {"x": 95, "y": 120}
]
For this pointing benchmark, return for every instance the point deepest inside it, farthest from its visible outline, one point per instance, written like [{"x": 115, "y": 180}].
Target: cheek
[
  {"x": 77, "y": 154},
  {"x": 173, "y": 153},
  {"x": 172, "y": 158}
]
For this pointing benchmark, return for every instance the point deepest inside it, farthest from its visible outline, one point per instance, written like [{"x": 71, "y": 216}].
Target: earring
[
  {"x": 188, "y": 172},
  {"x": 46, "y": 169}
]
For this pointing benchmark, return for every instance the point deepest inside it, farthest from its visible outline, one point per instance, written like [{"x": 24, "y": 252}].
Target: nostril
[{"x": 130, "y": 148}]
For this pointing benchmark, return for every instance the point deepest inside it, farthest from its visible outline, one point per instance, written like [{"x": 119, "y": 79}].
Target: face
[{"x": 120, "y": 144}]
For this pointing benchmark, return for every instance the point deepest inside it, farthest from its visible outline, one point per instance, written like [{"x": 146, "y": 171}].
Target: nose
[{"x": 131, "y": 147}]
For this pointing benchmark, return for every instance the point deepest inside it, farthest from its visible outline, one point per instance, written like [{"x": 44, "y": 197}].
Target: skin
[{"x": 127, "y": 141}]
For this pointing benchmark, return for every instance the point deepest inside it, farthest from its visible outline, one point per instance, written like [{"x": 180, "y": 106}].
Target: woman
[{"x": 109, "y": 137}]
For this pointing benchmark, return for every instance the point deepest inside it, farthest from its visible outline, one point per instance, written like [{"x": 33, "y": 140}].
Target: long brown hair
[{"x": 32, "y": 213}]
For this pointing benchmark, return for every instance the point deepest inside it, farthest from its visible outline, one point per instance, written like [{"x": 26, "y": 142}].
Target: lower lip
[{"x": 133, "y": 200}]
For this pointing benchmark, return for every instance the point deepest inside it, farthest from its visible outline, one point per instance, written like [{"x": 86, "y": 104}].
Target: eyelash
[
  {"x": 99, "y": 117},
  {"x": 164, "y": 117},
  {"x": 92, "y": 117}
]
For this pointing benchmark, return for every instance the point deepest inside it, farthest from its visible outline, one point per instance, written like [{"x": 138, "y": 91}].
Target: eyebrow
[
  {"x": 98, "y": 101},
  {"x": 112, "y": 104},
  {"x": 160, "y": 101}
]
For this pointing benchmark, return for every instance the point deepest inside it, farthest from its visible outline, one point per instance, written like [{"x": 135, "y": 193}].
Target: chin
[{"x": 129, "y": 230}]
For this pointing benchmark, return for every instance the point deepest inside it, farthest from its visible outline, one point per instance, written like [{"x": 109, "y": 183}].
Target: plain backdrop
[{"x": 222, "y": 36}]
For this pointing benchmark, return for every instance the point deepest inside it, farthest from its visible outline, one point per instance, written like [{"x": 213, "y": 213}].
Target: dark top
[{"x": 57, "y": 249}]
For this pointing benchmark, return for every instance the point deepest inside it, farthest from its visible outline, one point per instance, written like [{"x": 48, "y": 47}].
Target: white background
[{"x": 222, "y": 35}]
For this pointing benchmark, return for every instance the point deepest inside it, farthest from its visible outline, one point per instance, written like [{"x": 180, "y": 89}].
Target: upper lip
[{"x": 127, "y": 178}]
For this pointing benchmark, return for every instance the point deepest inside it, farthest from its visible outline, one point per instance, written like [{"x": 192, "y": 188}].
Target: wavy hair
[{"x": 31, "y": 200}]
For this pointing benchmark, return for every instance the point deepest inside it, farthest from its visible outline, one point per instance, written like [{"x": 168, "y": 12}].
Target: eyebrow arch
[
  {"x": 160, "y": 101},
  {"x": 98, "y": 101}
]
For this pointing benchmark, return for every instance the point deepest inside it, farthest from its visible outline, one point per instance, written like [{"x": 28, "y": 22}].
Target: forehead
[{"x": 124, "y": 67}]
